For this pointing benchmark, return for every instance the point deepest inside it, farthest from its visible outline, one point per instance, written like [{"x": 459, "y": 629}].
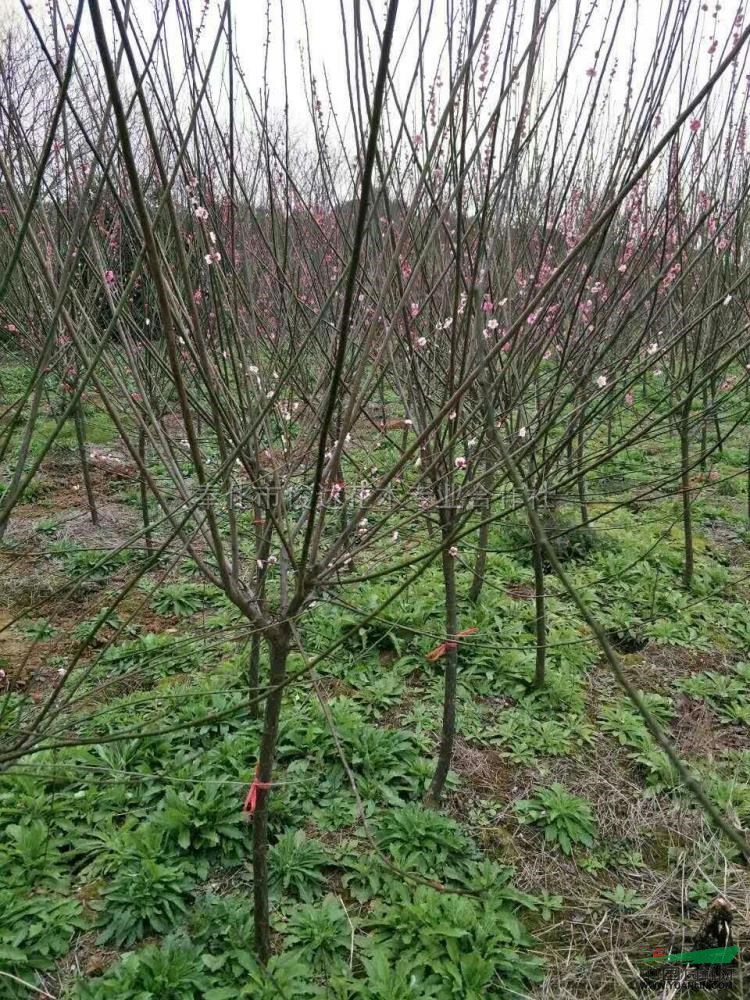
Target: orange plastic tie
[
  {"x": 251, "y": 799},
  {"x": 448, "y": 645}
]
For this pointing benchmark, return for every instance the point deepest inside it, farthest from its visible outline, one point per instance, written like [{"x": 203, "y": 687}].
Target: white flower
[
  {"x": 394, "y": 536},
  {"x": 201, "y": 213},
  {"x": 472, "y": 442},
  {"x": 522, "y": 432},
  {"x": 727, "y": 300},
  {"x": 601, "y": 381},
  {"x": 252, "y": 370},
  {"x": 492, "y": 324},
  {"x": 652, "y": 348},
  {"x": 453, "y": 551},
  {"x": 460, "y": 462},
  {"x": 421, "y": 341}
]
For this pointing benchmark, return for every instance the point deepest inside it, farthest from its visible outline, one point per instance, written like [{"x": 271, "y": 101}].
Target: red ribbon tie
[
  {"x": 251, "y": 798},
  {"x": 449, "y": 644}
]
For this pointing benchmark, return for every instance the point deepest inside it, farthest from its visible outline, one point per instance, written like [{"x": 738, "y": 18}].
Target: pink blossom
[
  {"x": 197, "y": 296},
  {"x": 453, "y": 551},
  {"x": 460, "y": 462},
  {"x": 201, "y": 213},
  {"x": 628, "y": 398},
  {"x": 591, "y": 72},
  {"x": 109, "y": 277},
  {"x": 695, "y": 124}
]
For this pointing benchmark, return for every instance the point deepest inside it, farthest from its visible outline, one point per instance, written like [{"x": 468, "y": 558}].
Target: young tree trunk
[
  {"x": 717, "y": 422},
  {"x": 448, "y": 731},
  {"x": 687, "y": 513},
  {"x": 540, "y": 624},
  {"x": 253, "y": 675},
  {"x": 278, "y": 647},
  {"x": 480, "y": 563},
  {"x": 144, "y": 492},
  {"x": 580, "y": 459},
  {"x": 480, "y": 559},
  {"x": 80, "y": 425}
]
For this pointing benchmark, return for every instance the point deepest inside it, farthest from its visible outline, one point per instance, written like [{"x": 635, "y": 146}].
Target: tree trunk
[
  {"x": 144, "y": 492},
  {"x": 540, "y": 624},
  {"x": 582, "y": 500},
  {"x": 480, "y": 563},
  {"x": 448, "y": 732},
  {"x": 253, "y": 676},
  {"x": 687, "y": 513},
  {"x": 480, "y": 559},
  {"x": 80, "y": 426},
  {"x": 278, "y": 646}
]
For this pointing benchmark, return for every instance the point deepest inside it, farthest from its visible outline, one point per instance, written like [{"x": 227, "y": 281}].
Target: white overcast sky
[{"x": 316, "y": 26}]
